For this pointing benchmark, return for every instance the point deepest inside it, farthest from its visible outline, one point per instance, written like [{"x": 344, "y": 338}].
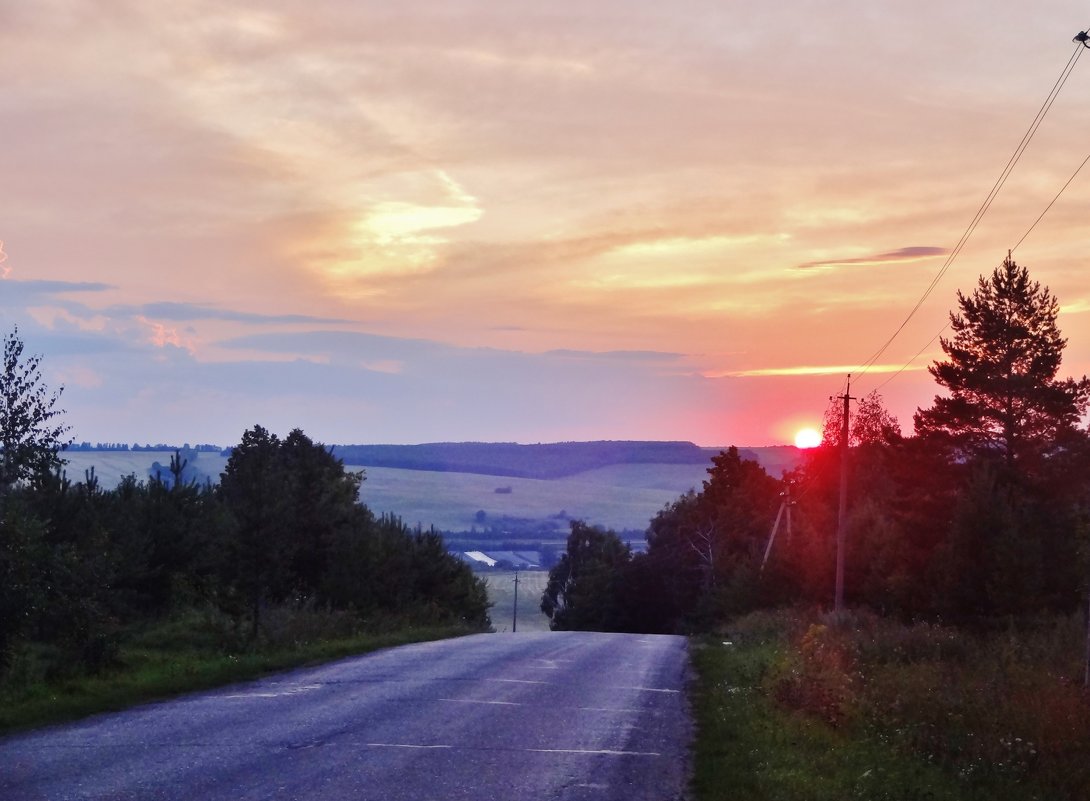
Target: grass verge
[
  {"x": 155, "y": 665},
  {"x": 794, "y": 709}
]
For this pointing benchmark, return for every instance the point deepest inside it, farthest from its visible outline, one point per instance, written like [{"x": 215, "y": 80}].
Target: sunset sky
[{"x": 520, "y": 221}]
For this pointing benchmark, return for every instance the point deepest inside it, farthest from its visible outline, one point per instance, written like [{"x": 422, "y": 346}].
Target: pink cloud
[{"x": 161, "y": 336}]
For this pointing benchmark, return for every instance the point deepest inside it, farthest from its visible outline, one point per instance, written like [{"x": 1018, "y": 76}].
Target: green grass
[
  {"x": 802, "y": 706},
  {"x": 172, "y": 659},
  {"x": 749, "y": 749},
  {"x": 619, "y": 497}
]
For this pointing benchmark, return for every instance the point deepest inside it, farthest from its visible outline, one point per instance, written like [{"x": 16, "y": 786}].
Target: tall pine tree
[{"x": 1000, "y": 372}]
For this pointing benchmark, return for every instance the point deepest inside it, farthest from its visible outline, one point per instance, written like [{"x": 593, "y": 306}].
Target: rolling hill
[{"x": 494, "y": 490}]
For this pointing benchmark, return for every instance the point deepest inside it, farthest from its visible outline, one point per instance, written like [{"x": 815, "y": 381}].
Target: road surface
[{"x": 565, "y": 715}]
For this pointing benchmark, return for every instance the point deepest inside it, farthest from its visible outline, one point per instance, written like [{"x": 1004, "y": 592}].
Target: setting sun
[{"x": 807, "y": 438}]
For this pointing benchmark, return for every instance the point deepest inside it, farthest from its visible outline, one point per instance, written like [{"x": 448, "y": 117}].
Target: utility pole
[
  {"x": 1086, "y": 670},
  {"x": 842, "y": 513},
  {"x": 515, "y": 612},
  {"x": 785, "y": 505},
  {"x": 789, "y": 503}
]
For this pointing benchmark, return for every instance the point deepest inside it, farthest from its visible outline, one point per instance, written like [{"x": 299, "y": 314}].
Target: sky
[{"x": 520, "y": 221}]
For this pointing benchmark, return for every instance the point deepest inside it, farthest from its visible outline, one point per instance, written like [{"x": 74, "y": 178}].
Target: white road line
[
  {"x": 517, "y": 681},
  {"x": 280, "y": 694},
  {"x": 581, "y": 751},
  {"x": 604, "y": 752},
  {"x": 606, "y": 709},
  {"x": 471, "y": 701},
  {"x": 650, "y": 690}
]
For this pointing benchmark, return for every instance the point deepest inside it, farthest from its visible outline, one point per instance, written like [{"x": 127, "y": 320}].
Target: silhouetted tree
[
  {"x": 260, "y": 546},
  {"x": 31, "y": 435},
  {"x": 1000, "y": 371},
  {"x": 708, "y": 545},
  {"x": 583, "y": 588}
]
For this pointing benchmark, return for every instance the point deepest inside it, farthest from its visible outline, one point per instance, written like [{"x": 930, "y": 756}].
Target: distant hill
[
  {"x": 449, "y": 485},
  {"x": 550, "y": 460}
]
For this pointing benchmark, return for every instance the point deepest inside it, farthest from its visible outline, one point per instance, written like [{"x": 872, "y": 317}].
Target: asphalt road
[{"x": 569, "y": 716}]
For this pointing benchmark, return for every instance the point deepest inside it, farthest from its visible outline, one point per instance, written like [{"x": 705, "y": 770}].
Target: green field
[
  {"x": 501, "y": 592},
  {"x": 619, "y": 497},
  {"x": 112, "y": 466}
]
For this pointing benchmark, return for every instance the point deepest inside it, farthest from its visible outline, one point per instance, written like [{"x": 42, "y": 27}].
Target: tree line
[
  {"x": 80, "y": 564},
  {"x": 984, "y": 512}
]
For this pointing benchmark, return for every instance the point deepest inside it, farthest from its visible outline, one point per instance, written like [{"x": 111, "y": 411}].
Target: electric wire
[
  {"x": 1040, "y": 217},
  {"x": 1050, "y": 205},
  {"x": 1012, "y": 162}
]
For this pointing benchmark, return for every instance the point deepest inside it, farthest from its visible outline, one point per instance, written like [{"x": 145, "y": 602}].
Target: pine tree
[{"x": 1004, "y": 397}]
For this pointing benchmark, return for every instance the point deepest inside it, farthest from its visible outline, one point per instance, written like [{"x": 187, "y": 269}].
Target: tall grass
[{"x": 999, "y": 715}]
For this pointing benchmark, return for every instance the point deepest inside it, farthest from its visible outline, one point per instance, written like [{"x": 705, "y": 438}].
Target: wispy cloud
[
  {"x": 824, "y": 369},
  {"x": 188, "y": 312},
  {"x": 901, "y": 255},
  {"x": 618, "y": 355},
  {"x": 21, "y": 295}
]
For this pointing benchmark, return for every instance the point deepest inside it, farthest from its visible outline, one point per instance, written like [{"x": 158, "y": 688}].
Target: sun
[{"x": 807, "y": 438}]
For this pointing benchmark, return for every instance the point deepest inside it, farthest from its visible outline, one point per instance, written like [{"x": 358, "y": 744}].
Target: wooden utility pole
[
  {"x": 1086, "y": 671},
  {"x": 790, "y": 503},
  {"x": 785, "y": 505},
  {"x": 842, "y": 513},
  {"x": 515, "y": 612}
]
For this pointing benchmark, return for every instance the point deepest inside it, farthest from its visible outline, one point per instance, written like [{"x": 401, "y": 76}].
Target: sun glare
[{"x": 807, "y": 438}]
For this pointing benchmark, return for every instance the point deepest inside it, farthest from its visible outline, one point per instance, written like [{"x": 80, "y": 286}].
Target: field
[
  {"x": 619, "y": 497},
  {"x": 112, "y": 466},
  {"x": 501, "y": 591}
]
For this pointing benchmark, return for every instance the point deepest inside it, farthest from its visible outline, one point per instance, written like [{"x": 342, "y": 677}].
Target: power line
[
  {"x": 1050, "y": 205},
  {"x": 983, "y": 209},
  {"x": 1040, "y": 217}
]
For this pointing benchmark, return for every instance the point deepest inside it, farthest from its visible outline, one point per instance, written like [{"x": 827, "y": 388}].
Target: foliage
[
  {"x": 750, "y": 748},
  {"x": 582, "y": 591},
  {"x": 1005, "y": 399},
  {"x": 871, "y": 423},
  {"x": 282, "y": 542},
  {"x": 710, "y": 543},
  {"x": 997, "y": 711},
  {"x": 985, "y": 513},
  {"x": 31, "y": 435}
]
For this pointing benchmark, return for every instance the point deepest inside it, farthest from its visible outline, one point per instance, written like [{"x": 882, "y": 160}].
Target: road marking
[
  {"x": 650, "y": 689},
  {"x": 606, "y": 709},
  {"x": 289, "y": 691},
  {"x": 579, "y": 751},
  {"x": 518, "y": 681},
  {"x": 471, "y": 701},
  {"x": 603, "y": 752}
]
